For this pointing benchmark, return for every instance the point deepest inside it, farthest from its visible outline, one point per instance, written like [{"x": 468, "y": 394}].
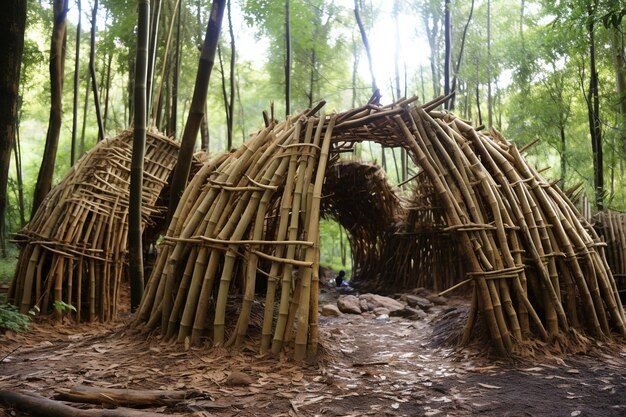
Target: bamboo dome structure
[
  {"x": 249, "y": 221},
  {"x": 74, "y": 250}
]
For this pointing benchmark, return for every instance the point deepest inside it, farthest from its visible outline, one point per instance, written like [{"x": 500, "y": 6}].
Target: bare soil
[{"x": 392, "y": 367}]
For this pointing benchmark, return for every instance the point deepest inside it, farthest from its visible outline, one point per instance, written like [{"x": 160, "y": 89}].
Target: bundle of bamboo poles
[
  {"x": 253, "y": 216},
  {"x": 611, "y": 227},
  {"x": 74, "y": 250}
]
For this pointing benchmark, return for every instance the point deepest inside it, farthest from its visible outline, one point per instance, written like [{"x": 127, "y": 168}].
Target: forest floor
[{"x": 392, "y": 367}]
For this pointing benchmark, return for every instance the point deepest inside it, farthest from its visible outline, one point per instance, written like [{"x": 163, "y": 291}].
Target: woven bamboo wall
[{"x": 74, "y": 250}]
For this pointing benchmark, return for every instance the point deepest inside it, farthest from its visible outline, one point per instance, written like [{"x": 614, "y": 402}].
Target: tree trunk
[
  {"x": 312, "y": 77},
  {"x": 17, "y": 150},
  {"x": 242, "y": 118},
  {"x": 154, "y": 37},
  {"x": 224, "y": 93},
  {"x": 196, "y": 109},
  {"x": 431, "y": 34},
  {"x": 57, "y": 72},
  {"x": 563, "y": 157},
  {"x": 231, "y": 107},
  {"x": 366, "y": 44},
  {"x": 12, "y": 26},
  {"x": 131, "y": 88},
  {"x": 457, "y": 67},
  {"x": 76, "y": 86},
  {"x": 81, "y": 144},
  {"x": 593, "y": 110},
  {"x": 448, "y": 52},
  {"x": 174, "y": 116},
  {"x": 287, "y": 59},
  {"x": 204, "y": 132},
  {"x": 489, "y": 97},
  {"x": 396, "y": 10},
  {"x": 620, "y": 82},
  {"x": 480, "y": 116},
  {"x": 355, "y": 68},
  {"x": 106, "y": 92},
  {"x": 92, "y": 71},
  {"x": 135, "y": 249}
]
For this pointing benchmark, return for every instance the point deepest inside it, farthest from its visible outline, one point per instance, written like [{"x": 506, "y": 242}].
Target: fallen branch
[
  {"x": 124, "y": 397},
  {"x": 41, "y": 406}
]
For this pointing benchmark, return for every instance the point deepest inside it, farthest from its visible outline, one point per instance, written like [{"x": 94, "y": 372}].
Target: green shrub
[{"x": 11, "y": 319}]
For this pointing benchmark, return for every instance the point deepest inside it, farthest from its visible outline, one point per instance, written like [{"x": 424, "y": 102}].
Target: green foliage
[
  {"x": 63, "y": 307},
  {"x": 12, "y": 319},
  {"x": 334, "y": 246}
]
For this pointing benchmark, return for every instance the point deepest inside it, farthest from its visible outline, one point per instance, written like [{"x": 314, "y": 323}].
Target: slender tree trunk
[
  {"x": 76, "y": 86},
  {"x": 242, "y": 118},
  {"x": 366, "y": 44},
  {"x": 92, "y": 71},
  {"x": 17, "y": 151},
  {"x": 57, "y": 72},
  {"x": 431, "y": 34},
  {"x": 480, "y": 116},
  {"x": 396, "y": 10},
  {"x": 157, "y": 101},
  {"x": 12, "y": 27},
  {"x": 81, "y": 144},
  {"x": 164, "y": 114},
  {"x": 287, "y": 59},
  {"x": 563, "y": 155},
  {"x": 135, "y": 249},
  {"x": 204, "y": 132},
  {"x": 173, "y": 119},
  {"x": 355, "y": 68},
  {"x": 196, "y": 109},
  {"x": 620, "y": 82},
  {"x": 457, "y": 67},
  {"x": 131, "y": 89},
  {"x": 106, "y": 92},
  {"x": 403, "y": 155},
  {"x": 422, "y": 83},
  {"x": 231, "y": 106},
  {"x": 489, "y": 97},
  {"x": 312, "y": 77},
  {"x": 448, "y": 51},
  {"x": 154, "y": 37},
  {"x": 593, "y": 107},
  {"x": 224, "y": 92}
]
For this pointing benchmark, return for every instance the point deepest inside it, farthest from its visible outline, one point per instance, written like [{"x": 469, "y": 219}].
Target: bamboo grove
[{"x": 248, "y": 222}]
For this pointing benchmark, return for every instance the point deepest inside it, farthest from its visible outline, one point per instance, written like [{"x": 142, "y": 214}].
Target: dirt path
[{"x": 373, "y": 367}]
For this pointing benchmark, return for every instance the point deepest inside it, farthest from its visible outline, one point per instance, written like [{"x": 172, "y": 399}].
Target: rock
[
  {"x": 364, "y": 306},
  {"x": 238, "y": 379},
  {"x": 349, "y": 304},
  {"x": 439, "y": 300},
  {"x": 382, "y": 317},
  {"x": 379, "y": 311},
  {"x": 380, "y": 301},
  {"x": 419, "y": 315},
  {"x": 406, "y": 312},
  {"x": 422, "y": 292},
  {"x": 330, "y": 310},
  {"x": 417, "y": 301}
]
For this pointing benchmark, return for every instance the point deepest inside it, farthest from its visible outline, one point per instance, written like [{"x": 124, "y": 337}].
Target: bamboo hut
[
  {"x": 251, "y": 217},
  {"x": 74, "y": 250}
]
